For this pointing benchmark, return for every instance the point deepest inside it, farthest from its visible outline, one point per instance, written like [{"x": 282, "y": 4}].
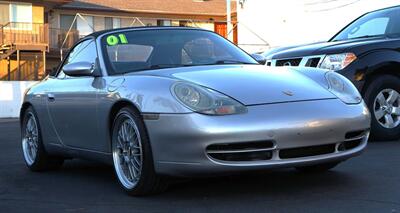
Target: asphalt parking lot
[{"x": 369, "y": 183}]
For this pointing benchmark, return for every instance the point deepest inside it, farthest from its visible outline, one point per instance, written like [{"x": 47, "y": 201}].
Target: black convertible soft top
[{"x": 101, "y": 32}]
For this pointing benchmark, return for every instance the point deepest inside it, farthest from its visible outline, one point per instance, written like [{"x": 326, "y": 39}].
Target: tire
[
  {"x": 380, "y": 126},
  {"x": 132, "y": 155},
  {"x": 34, "y": 153},
  {"x": 319, "y": 168}
]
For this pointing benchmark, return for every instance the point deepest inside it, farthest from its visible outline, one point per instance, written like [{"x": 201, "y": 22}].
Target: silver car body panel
[
  {"x": 179, "y": 141},
  {"x": 252, "y": 84}
]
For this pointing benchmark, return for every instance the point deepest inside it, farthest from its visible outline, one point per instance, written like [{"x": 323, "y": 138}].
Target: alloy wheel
[
  {"x": 30, "y": 139},
  {"x": 387, "y": 108},
  {"x": 127, "y": 152}
]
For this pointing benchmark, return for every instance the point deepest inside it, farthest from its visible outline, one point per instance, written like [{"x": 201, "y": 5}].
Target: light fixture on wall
[{"x": 241, "y": 2}]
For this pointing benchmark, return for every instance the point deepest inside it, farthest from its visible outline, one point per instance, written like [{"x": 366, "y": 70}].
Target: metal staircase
[{"x": 6, "y": 51}]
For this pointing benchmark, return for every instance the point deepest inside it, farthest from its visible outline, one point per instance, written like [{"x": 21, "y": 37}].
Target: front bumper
[{"x": 180, "y": 141}]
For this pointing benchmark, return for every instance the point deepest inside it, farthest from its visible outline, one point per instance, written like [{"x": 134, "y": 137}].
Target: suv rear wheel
[{"x": 383, "y": 99}]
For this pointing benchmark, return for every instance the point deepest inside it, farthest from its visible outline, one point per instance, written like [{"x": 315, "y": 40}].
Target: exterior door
[
  {"x": 221, "y": 29},
  {"x": 72, "y": 101}
]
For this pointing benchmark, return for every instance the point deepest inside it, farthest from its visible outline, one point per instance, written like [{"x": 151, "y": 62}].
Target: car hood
[
  {"x": 271, "y": 52},
  {"x": 322, "y": 48},
  {"x": 252, "y": 84}
]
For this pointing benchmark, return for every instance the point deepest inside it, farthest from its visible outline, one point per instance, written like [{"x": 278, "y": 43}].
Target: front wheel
[
  {"x": 317, "y": 168},
  {"x": 383, "y": 100},
  {"x": 132, "y": 157}
]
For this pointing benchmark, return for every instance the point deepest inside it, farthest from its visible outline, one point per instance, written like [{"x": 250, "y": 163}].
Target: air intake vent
[
  {"x": 306, "y": 151},
  {"x": 355, "y": 134},
  {"x": 353, "y": 139},
  {"x": 312, "y": 62},
  {"x": 250, "y": 151},
  {"x": 288, "y": 62}
]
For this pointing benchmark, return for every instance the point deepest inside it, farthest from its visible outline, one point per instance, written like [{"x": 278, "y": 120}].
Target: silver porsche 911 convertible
[{"x": 157, "y": 102}]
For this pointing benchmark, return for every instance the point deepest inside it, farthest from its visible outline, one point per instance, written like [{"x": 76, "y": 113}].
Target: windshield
[
  {"x": 376, "y": 24},
  {"x": 138, "y": 50}
]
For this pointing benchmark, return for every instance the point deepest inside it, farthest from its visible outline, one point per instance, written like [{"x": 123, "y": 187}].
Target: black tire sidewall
[{"x": 378, "y": 132}]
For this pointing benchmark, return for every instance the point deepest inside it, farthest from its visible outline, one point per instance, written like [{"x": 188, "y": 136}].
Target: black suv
[{"x": 367, "y": 51}]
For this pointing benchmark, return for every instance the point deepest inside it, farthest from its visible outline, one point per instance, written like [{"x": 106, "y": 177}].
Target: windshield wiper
[
  {"x": 361, "y": 37},
  {"x": 368, "y": 36}
]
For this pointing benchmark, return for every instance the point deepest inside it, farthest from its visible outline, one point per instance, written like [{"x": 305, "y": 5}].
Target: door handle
[{"x": 51, "y": 97}]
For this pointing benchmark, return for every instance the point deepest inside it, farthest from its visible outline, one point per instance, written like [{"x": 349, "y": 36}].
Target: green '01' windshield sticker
[{"x": 114, "y": 40}]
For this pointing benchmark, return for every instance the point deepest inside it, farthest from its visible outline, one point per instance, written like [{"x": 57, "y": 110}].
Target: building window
[
  {"x": 85, "y": 25},
  {"x": 112, "y": 23},
  {"x": 164, "y": 23},
  {"x": 116, "y": 23},
  {"x": 108, "y": 23},
  {"x": 21, "y": 13},
  {"x": 66, "y": 21}
]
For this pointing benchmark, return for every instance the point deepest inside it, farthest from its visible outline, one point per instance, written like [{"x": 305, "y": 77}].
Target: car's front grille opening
[
  {"x": 312, "y": 62},
  {"x": 352, "y": 140},
  {"x": 288, "y": 62},
  {"x": 250, "y": 151},
  {"x": 352, "y": 144},
  {"x": 306, "y": 151},
  {"x": 356, "y": 134},
  {"x": 242, "y": 156},
  {"x": 347, "y": 145}
]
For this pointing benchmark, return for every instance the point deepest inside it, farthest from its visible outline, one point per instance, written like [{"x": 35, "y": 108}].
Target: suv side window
[{"x": 83, "y": 52}]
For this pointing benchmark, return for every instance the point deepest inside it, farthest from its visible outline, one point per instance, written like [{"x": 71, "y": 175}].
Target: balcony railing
[
  {"x": 20, "y": 33},
  {"x": 58, "y": 36}
]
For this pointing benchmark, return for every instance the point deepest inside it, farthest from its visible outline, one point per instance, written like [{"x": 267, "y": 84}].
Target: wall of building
[
  {"x": 290, "y": 22},
  {"x": 37, "y": 14},
  {"x": 203, "y": 25},
  {"x": 11, "y": 97},
  {"x": 127, "y": 20}
]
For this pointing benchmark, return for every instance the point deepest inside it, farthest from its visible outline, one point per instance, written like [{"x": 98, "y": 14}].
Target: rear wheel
[
  {"x": 317, "y": 168},
  {"x": 35, "y": 155},
  {"x": 383, "y": 99},
  {"x": 132, "y": 157}
]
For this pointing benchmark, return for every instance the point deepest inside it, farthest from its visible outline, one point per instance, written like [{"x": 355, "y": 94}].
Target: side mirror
[
  {"x": 259, "y": 58},
  {"x": 79, "y": 69}
]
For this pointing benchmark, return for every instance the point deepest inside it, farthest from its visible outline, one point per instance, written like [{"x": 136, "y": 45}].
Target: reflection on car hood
[{"x": 251, "y": 84}]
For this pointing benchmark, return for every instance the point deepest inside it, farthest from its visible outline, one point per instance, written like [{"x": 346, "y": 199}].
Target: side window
[
  {"x": 83, "y": 52},
  {"x": 203, "y": 50},
  {"x": 376, "y": 26}
]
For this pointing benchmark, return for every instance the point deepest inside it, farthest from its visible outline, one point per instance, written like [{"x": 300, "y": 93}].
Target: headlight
[
  {"x": 337, "y": 61},
  {"x": 342, "y": 88},
  {"x": 206, "y": 101}
]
